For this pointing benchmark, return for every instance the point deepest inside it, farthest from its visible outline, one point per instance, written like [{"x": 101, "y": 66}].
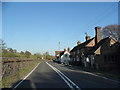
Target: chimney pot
[
  {"x": 68, "y": 49},
  {"x": 87, "y": 37},
  {"x": 64, "y": 49},
  {"x": 78, "y": 43}
]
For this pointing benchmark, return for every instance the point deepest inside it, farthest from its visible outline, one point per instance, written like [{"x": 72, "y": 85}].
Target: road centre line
[
  {"x": 68, "y": 79},
  {"x": 71, "y": 84},
  {"x": 25, "y": 77},
  {"x": 62, "y": 77}
]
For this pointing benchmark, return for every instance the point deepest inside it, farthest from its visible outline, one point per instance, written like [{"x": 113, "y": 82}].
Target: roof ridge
[
  {"x": 83, "y": 44},
  {"x": 110, "y": 36}
]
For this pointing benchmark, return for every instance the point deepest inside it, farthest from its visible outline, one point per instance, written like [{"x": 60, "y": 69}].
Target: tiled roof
[
  {"x": 94, "y": 48},
  {"x": 58, "y": 52},
  {"x": 82, "y": 44}
]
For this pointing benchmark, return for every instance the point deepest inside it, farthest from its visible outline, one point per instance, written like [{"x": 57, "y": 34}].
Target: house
[
  {"x": 96, "y": 52},
  {"x": 76, "y": 54},
  {"x": 86, "y": 59},
  {"x": 105, "y": 55},
  {"x": 57, "y": 56},
  {"x": 64, "y": 56},
  {"x": 57, "y": 53}
]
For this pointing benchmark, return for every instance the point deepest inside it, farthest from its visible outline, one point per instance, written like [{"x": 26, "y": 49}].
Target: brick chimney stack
[
  {"x": 64, "y": 49},
  {"x": 98, "y": 34},
  {"x": 68, "y": 49},
  {"x": 78, "y": 43}
]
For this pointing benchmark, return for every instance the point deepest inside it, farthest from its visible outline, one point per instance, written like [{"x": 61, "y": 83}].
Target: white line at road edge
[
  {"x": 65, "y": 78},
  {"x": 85, "y": 72},
  {"x": 99, "y": 76},
  {"x": 25, "y": 77}
]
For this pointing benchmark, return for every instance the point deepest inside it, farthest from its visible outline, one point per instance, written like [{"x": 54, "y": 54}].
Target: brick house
[
  {"x": 78, "y": 51},
  {"x": 96, "y": 52},
  {"x": 105, "y": 54},
  {"x": 57, "y": 56}
]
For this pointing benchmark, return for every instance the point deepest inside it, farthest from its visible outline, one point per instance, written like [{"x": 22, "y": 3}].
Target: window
[
  {"x": 78, "y": 51},
  {"x": 66, "y": 55},
  {"x": 74, "y": 52},
  {"x": 77, "y": 58}
]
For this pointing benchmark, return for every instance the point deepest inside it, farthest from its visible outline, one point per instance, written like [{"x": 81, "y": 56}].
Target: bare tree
[
  {"x": 113, "y": 30},
  {"x": 2, "y": 44}
]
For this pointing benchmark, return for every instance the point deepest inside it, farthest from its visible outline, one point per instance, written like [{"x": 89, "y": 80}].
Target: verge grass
[{"x": 9, "y": 81}]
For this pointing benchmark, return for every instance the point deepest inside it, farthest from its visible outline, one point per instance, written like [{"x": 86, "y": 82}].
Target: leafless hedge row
[{"x": 13, "y": 65}]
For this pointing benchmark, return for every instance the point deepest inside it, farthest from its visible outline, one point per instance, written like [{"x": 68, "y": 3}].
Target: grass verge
[{"x": 9, "y": 81}]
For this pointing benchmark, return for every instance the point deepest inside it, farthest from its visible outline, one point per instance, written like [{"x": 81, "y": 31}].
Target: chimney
[
  {"x": 87, "y": 37},
  {"x": 98, "y": 34},
  {"x": 64, "y": 49},
  {"x": 68, "y": 49},
  {"x": 78, "y": 43}
]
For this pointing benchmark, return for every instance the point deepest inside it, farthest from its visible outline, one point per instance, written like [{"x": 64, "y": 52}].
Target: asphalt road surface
[{"x": 54, "y": 75}]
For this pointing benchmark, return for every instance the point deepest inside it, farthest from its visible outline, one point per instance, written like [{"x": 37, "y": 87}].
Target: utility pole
[
  {"x": 59, "y": 46},
  {"x": 59, "y": 50}
]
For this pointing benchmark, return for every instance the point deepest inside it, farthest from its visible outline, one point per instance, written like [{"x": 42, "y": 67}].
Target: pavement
[{"x": 54, "y": 75}]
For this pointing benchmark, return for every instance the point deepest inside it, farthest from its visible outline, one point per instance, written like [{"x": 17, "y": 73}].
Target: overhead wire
[
  {"x": 104, "y": 16},
  {"x": 99, "y": 17},
  {"x": 98, "y": 14}
]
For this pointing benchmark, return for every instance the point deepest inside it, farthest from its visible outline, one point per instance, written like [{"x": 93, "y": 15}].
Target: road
[{"x": 54, "y": 75}]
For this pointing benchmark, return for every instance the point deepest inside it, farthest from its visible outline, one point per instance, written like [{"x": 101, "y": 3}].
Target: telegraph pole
[
  {"x": 59, "y": 50},
  {"x": 59, "y": 46}
]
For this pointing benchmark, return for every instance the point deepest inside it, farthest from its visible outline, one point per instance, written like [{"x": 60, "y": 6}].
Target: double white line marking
[{"x": 71, "y": 84}]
